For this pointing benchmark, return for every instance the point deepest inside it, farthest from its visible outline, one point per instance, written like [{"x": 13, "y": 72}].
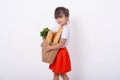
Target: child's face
[{"x": 62, "y": 20}]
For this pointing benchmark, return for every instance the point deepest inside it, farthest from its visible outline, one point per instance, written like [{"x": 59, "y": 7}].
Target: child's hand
[{"x": 48, "y": 48}]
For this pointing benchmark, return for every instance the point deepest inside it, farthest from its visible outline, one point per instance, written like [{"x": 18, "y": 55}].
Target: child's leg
[
  {"x": 64, "y": 76},
  {"x": 56, "y": 76}
]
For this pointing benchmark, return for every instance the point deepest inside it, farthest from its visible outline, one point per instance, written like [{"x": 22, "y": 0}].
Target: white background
[{"x": 94, "y": 46}]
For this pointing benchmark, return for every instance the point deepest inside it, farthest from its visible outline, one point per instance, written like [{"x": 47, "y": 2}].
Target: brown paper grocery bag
[{"x": 49, "y": 56}]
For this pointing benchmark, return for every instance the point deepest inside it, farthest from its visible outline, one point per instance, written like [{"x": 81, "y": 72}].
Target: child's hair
[{"x": 61, "y": 10}]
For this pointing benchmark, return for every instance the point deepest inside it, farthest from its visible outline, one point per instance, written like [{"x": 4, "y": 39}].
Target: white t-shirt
[{"x": 65, "y": 33}]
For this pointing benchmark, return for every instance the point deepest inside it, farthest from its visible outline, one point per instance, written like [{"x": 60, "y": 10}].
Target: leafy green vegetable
[{"x": 44, "y": 32}]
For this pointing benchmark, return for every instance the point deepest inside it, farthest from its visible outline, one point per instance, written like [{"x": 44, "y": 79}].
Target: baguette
[
  {"x": 49, "y": 37},
  {"x": 57, "y": 36}
]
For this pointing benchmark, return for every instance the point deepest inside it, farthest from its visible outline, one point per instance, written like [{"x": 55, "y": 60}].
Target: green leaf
[{"x": 44, "y": 32}]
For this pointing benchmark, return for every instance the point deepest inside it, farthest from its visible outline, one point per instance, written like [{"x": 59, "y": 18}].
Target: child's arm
[{"x": 57, "y": 46}]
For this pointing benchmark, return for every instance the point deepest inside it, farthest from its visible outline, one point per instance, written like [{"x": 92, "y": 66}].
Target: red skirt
[{"x": 62, "y": 62}]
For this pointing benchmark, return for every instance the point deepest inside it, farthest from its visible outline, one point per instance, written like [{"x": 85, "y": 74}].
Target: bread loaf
[
  {"x": 49, "y": 37},
  {"x": 57, "y": 36}
]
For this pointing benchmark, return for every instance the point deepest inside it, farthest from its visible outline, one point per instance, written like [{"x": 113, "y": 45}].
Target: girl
[{"x": 62, "y": 63}]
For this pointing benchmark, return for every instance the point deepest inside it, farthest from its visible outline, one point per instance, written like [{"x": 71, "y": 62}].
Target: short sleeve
[{"x": 65, "y": 33}]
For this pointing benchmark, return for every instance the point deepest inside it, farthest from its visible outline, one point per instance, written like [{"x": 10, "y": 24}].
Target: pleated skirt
[{"x": 62, "y": 62}]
